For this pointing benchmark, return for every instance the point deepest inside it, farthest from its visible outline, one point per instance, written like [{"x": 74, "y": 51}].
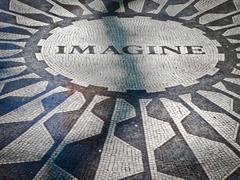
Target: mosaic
[{"x": 119, "y": 89}]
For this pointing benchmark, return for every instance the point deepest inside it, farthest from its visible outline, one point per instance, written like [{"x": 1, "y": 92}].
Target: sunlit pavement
[{"x": 117, "y": 89}]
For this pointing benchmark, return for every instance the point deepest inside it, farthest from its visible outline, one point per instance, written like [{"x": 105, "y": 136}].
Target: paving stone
[{"x": 119, "y": 89}]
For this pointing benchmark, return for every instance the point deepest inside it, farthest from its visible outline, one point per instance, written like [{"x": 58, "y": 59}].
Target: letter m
[{"x": 81, "y": 51}]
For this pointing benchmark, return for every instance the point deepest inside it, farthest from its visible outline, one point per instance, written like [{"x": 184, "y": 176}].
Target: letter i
[{"x": 61, "y": 49}]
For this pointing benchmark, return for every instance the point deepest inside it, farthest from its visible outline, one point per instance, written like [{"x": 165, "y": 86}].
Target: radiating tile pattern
[{"x": 54, "y": 126}]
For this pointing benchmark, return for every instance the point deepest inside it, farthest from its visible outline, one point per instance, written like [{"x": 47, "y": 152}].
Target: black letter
[
  {"x": 195, "y": 50},
  {"x": 111, "y": 49},
  {"x": 152, "y": 50},
  {"x": 126, "y": 50},
  {"x": 61, "y": 49},
  {"x": 178, "y": 51},
  {"x": 81, "y": 51}
]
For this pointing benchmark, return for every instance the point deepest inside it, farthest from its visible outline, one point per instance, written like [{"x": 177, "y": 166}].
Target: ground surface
[{"x": 101, "y": 89}]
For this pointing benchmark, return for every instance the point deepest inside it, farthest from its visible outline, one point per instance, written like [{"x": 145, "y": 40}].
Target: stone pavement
[{"x": 119, "y": 89}]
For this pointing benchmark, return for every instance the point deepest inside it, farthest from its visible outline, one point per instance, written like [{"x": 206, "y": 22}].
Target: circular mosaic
[{"x": 130, "y": 53}]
